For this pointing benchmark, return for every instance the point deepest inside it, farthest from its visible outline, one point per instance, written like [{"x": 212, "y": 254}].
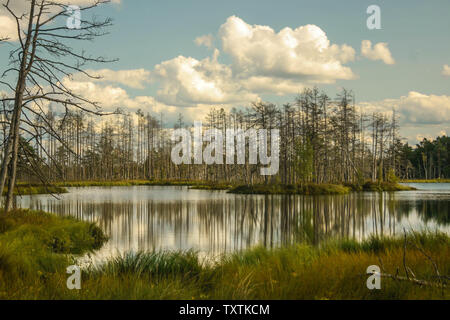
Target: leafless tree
[{"x": 40, "y": 61}]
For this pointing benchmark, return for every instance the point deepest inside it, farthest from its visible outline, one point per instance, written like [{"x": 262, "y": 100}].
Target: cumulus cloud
[
  {"x": 206, "y": 40},
  {"x": 446, "y": 70},
  {"x": 421, "y": 115},
  {"x": 303, "y": 53},
  {"x": 188, "y": 81},
  {"x": 135, "y": 78},
  {"x": 415, "y": 108},
  {"x": 262, "y": 62},
  {"x": 422, "y": 108},
  {"x": 112, "y": 97},
  {"x": 379, "y": 51}
]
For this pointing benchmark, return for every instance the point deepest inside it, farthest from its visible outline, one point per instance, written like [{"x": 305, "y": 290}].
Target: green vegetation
[
  {"x": 194, "y": 184},
  {"x": 28, "y": 189},
  {"x": 429, "y": 159},
  {"x": 426, "y": 181},
  {"x": 36, "y": 248},
  {"x": 318, "y": 189},
  {"x": 307, "y": 189},
  {"x": 380, "y": 186}
]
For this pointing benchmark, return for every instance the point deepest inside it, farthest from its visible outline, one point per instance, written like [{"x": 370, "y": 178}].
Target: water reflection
[{"x": 213, "y": 222}]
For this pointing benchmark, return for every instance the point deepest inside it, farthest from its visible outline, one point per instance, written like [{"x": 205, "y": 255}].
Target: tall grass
[
  {"x": 154, "y": 264},
  {"x": 36, "y": 246},
  {"x": 35, "y": 249}
]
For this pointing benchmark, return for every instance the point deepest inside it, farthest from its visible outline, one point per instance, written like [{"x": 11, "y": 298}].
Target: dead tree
[{"x": 41, "y": 61}]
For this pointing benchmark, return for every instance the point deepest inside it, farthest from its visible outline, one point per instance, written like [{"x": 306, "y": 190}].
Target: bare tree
[{"x": 41, "y": 61}]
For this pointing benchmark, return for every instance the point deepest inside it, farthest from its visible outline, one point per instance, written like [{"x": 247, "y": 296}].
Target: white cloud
[
  {"x": 420, "y": 115},
  {"x": 446, "y": 70},
  {"x": 206, "y": 40},
  {"x": 188, "y": 82},
  {"x": 278, "y": 86},
  {"x": 303, "y": 53},
  {"x": 415, "y": 108},
  {"x": 8, "y": 28},
  {"x": 263, "y": 62},
  {"x": 379, "y": 51},
  {"x": 421, "y": 108},
  {"x": 113, "y": 97},
  {"x": 135, "y": 78}
]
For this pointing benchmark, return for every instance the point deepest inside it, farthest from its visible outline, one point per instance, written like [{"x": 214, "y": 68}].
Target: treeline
[
  {"x": 430, "y": 159},
  {"x": 322, "y": 140}
]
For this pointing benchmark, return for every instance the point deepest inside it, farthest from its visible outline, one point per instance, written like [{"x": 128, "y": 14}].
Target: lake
[{"x": 215, "y": 222}]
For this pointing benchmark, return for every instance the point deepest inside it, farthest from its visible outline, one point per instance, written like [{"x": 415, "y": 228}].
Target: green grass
[
  {"x": 306, "y": 189},
  {"x": 426, "y": 181},
  {"x": 35, "y": 249},
  {"x": 29, "y": 189},
  {"x": 381, "y": 186},
  {"x": 35, "y": 246},
  {"x": 194, "y": 184}
]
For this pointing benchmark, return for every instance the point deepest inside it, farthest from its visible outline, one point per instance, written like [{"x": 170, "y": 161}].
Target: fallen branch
[{"x": 413, "y": 280}]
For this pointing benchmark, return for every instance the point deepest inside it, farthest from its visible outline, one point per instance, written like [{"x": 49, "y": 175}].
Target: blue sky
[
  {"x": 151, "y": 33},
  {"x": 417, "y": 33}
]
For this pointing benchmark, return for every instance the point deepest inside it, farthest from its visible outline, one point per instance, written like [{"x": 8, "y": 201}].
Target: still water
[{"x": 215, "y": 222}]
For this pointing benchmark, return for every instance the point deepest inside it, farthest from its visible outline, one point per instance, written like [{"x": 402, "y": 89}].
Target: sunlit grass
[
  {"x": 35, "y": 249},
  {"x": 426, "y": 181}
]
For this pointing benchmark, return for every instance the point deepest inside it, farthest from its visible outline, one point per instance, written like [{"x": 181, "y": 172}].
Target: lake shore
[
  {"x": 336, "y": 270},
  {"x": 303, "y": 189},
  {"x": 426, "y": 181},
  {"x": 30, "y": 189}
]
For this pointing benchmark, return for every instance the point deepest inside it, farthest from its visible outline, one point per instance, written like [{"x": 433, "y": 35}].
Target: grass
[
  {"x": 194, "y": 184},
  {"x": 426, "y": 181},
  {"x": 381, "y": 186},
  {"x": 35, "y": 249},
  {"x": 35, "y": 246},
  {"x": 306, "y": 189},
  {"x": 29, "y": 189}
]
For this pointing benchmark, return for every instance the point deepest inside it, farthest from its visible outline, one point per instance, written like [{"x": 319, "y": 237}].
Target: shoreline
[
  {"x": 425, "y": 181},
  {"x": 299, "y": 189}
]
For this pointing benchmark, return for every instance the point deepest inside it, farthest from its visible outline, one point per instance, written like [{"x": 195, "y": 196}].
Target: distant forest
[{"x": 322, "y": 140}]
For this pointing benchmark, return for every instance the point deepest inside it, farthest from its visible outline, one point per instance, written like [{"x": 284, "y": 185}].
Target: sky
[{"x": 185, "y": 56}]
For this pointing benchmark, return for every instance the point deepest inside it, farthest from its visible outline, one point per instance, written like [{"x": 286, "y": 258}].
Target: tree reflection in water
[{"x": 224, "y": 222}]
